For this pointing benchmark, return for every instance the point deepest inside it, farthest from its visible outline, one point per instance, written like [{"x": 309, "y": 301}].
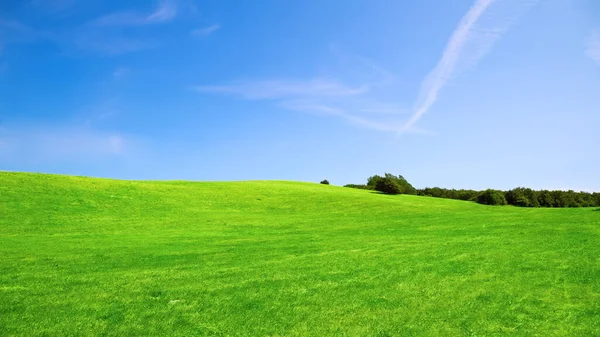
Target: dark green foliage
[
  {"x": 546, "y": 199},
  {"x": 405, "y": 186},
  {"x": 520, "y": 196},
  {"x": 491, "y": 197},
  {"x": 532, "y": 196},
  {"x": 517, "y": 197},
  {"x": 448, "y": 193},
  {"x": 372, "y": 181},
  {"x": 360, "y": 187},
  {"x": 325, "y": 182},
  {"x": 390, "y": 184},
  {"x": 560, "y": 198}
]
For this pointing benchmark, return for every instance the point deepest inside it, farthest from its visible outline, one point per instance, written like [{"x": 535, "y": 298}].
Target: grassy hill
[{"x": 83, "y": 256}]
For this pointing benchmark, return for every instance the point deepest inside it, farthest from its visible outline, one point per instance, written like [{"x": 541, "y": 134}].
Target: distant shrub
[
  {"x": 491, "y": 197},
  {"x": 388, "y": 185},
  {"x": 325, "y": 182},
  {"x": 522, "y": 197}
]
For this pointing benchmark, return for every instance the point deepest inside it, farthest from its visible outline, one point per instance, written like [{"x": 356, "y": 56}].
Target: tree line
[{"x": 522, "y": 197}]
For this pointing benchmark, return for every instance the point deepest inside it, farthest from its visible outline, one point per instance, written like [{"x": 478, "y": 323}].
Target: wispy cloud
[
  {"x": 12, "y": 25},
  {"x": 593, "y": 46},
  {"x": 390, "y": 125},
  {"x": 83, "y": 38},
  {"x": 13, "y": 31},
  {"x": 285, "y": 89},
  {"x": 59, "y": 143},
  {"x": 110, "y": 44},
  {"x": 121, "y": 72},
  {"x": 105, "y": 35},
  {"x": 478, "y": 30},
  {"x": 52, "y": 6},
  {"x": 205, "y": 31},
  {"x": 319, "y": 96},
  {"x": 472, "y": 39},
  {"x": 165, "y": 12}
]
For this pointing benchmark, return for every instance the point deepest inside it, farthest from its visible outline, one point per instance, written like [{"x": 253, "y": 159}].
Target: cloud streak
[
  {"x": 112, "y": 45},
  {"x": 593, "y": 46},
  {"x": 59, "y": 144},
  {"x": 205, "y": 31},
  {"x": 318, "y": 96},
  {"x": 52, "y": 6},
  {"x": 474, "y": 36},
  {"x": 86, "y": 37},
  {"x": 357, "y": 120},
  {"x": 284, "y": 89},
  {"x": 165, "y": 12},
  {"x": 472, "y": 39}
]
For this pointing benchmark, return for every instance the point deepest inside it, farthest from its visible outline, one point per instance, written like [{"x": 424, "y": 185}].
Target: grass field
[{"x": 96, "y": 257}]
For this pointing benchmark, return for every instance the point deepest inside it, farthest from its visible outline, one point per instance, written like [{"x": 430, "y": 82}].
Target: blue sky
[{"x": 457, "y": 94}]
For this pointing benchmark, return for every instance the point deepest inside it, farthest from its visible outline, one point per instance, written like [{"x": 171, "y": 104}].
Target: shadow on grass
[{"x": 377, "y": 192}]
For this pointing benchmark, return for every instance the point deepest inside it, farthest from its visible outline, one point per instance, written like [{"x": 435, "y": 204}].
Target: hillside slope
[{"x": 85, "y": 256}]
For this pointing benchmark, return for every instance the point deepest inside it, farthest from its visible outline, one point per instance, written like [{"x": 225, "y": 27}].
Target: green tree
[
  {"x": 517, "y": 197},
  {"x": 388, "y": 186},
  {"x": 391, "y": 184},
  {"x": 491, "y": 197}
]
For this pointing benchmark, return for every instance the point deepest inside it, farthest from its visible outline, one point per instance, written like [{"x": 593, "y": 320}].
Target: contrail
[{"x": 469, "y": 43}]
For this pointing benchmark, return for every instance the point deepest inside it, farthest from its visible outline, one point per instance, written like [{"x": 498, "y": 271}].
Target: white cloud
[
  {"x": 95, "y": 36},
  {"x": 121, "y": 19},
  {"x": 14, "y": 31},
  {"x": 13, "y": 25},
  {"x": 472, "y": 39},
  {"x": 484, "y": 23},
  {"x": 205, "y": 31},
  {"x": 89, "y": 38},
  {"x": 165, "y": 12},
  {"x": 320, "y": 96},
  {"x": 60, "y": 144},
  {"x": 593, "y": 46},
  {"x": 281, "y": 89},
  {"x": 116, "y": 144},
  {"x": 112, "y": 45},
  {"x": 52, "y": 6},
  {"x": 318, "y": 108},
  {"x": 120, "y": 72}
]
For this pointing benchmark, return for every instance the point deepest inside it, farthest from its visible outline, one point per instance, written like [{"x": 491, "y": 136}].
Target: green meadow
[{"x": 97, "y": 257}]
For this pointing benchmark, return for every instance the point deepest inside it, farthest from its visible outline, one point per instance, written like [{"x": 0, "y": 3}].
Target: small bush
[{"x": 325, "y": 182}]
